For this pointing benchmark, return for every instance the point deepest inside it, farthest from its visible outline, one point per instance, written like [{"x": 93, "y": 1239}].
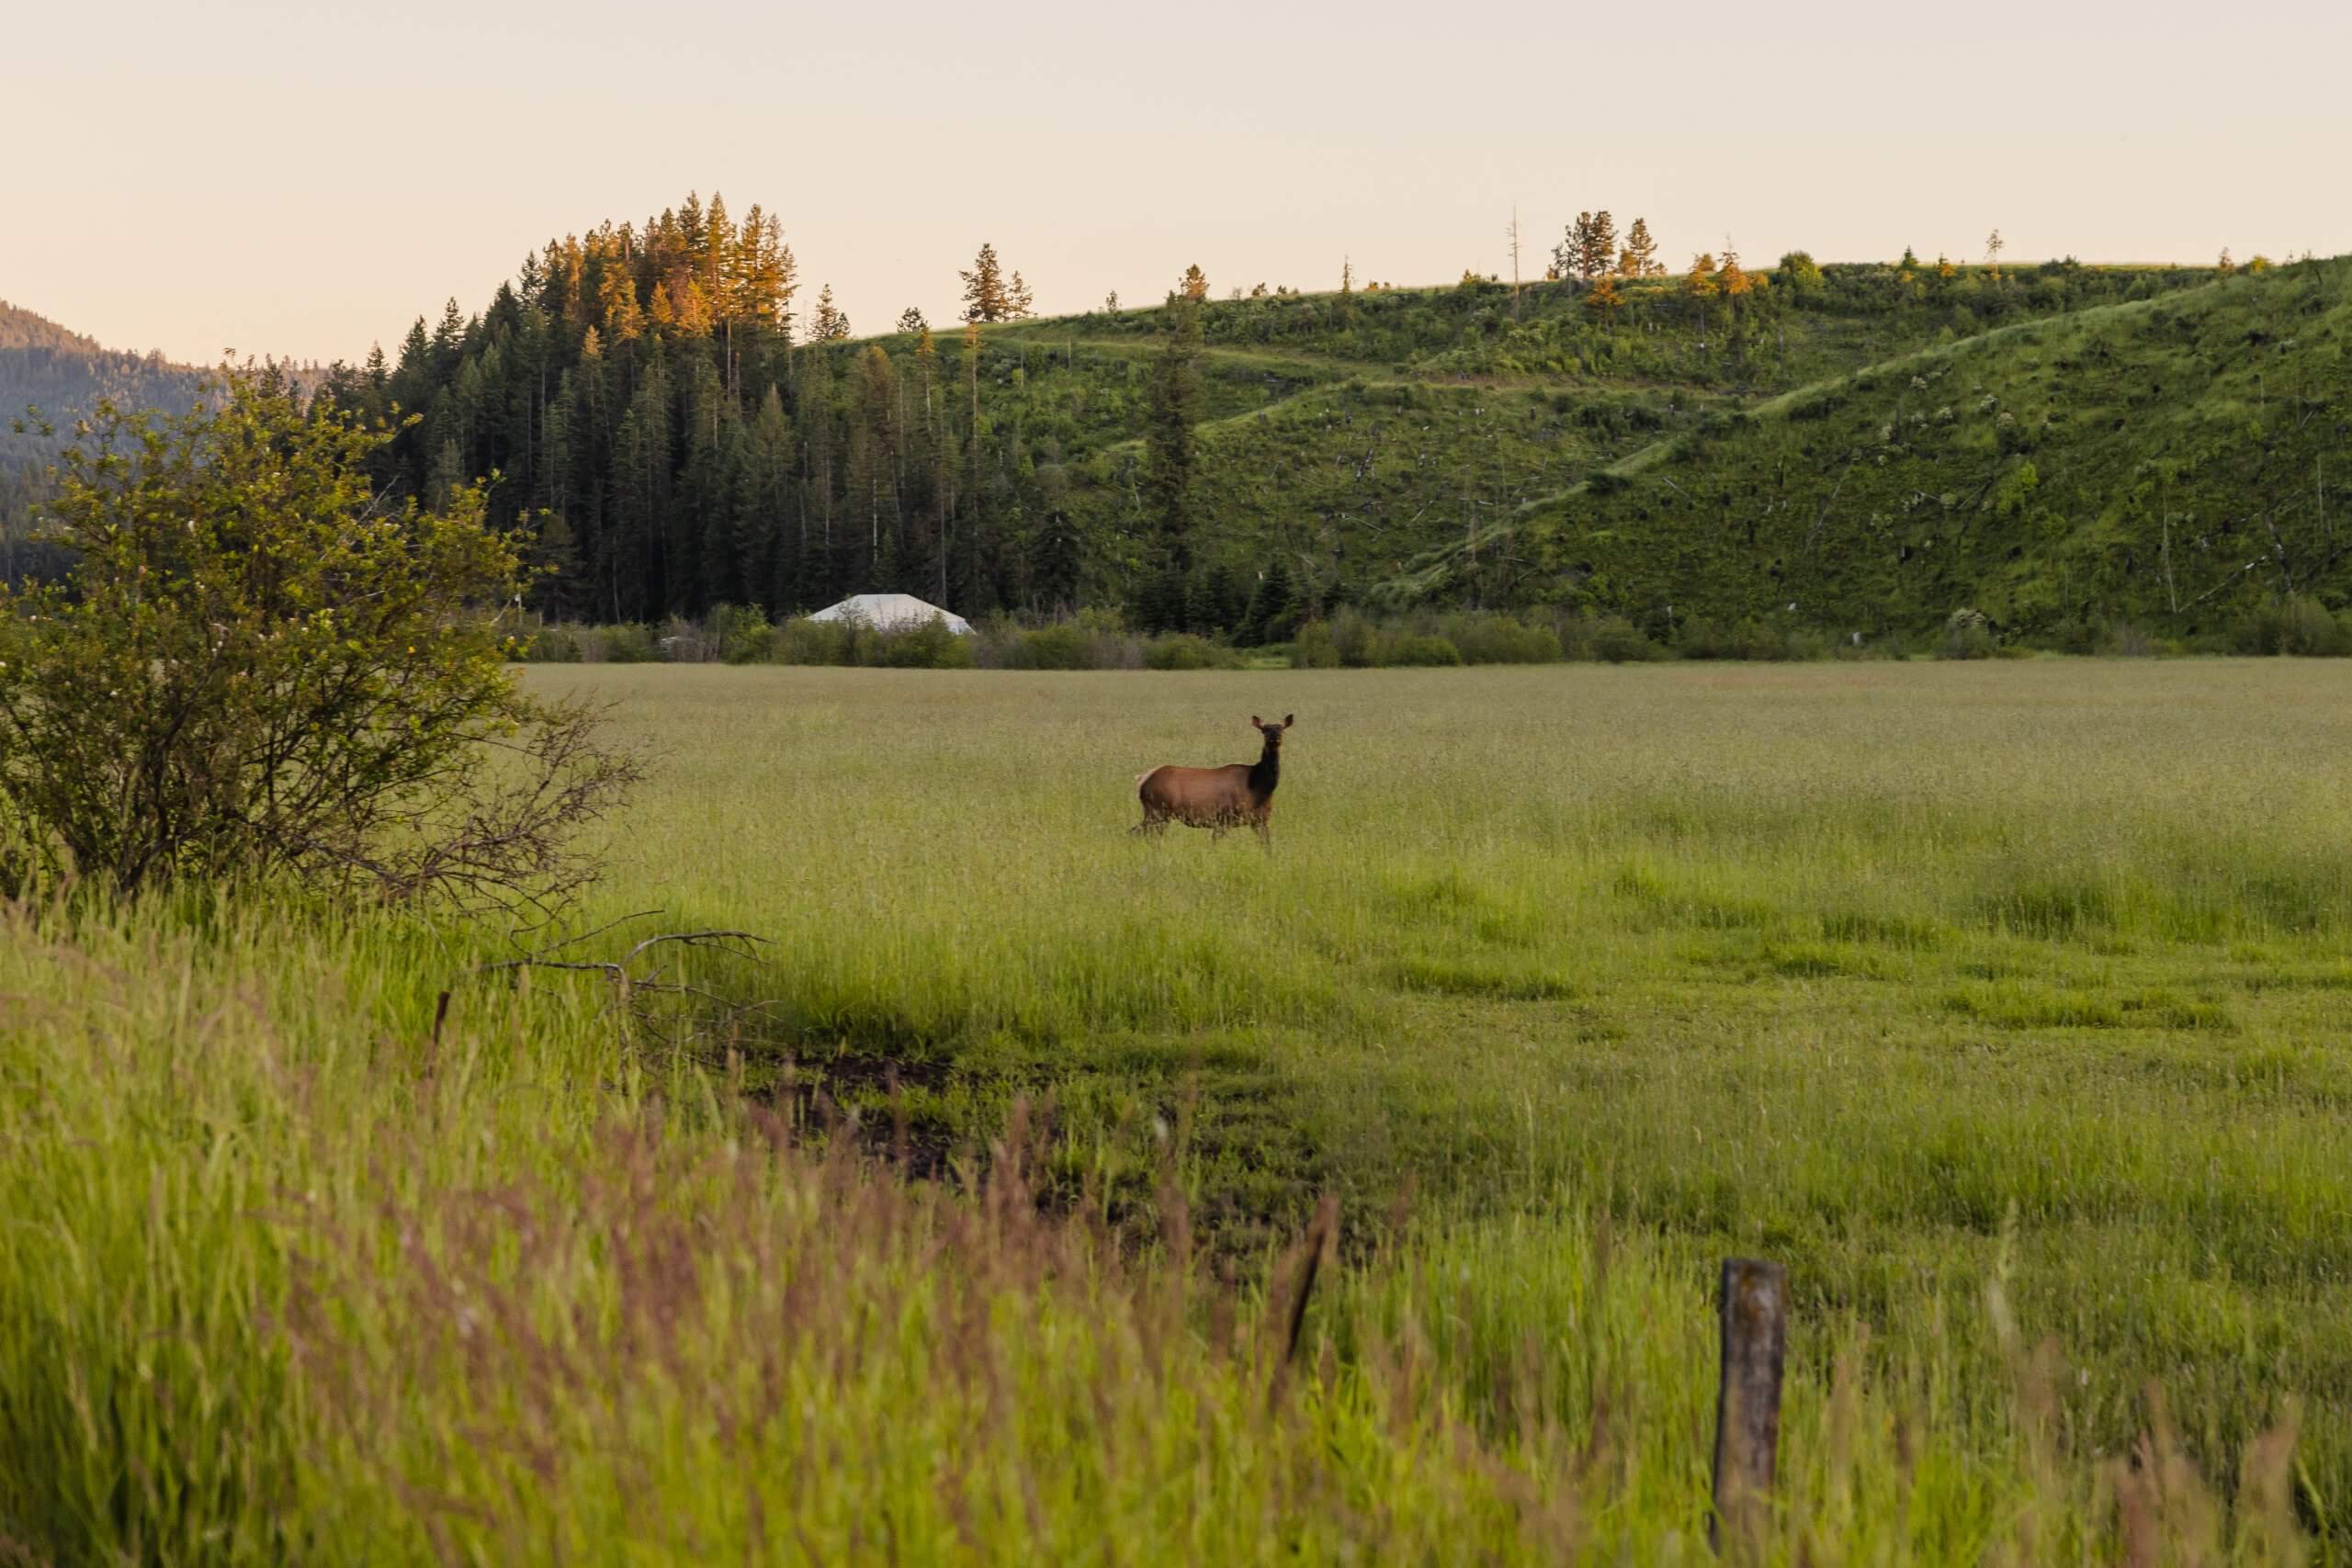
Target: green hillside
[
  {"x": 2166, "y": 461},
  {"x": 1857, "y": 449},
  {"x": 1386, "y": 443},
  {"x": 660, "y": 404}
]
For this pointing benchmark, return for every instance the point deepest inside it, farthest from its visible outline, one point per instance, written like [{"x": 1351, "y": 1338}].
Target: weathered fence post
[
  {"x": 1747, "y": 1400},
  {"x": 1319, "y": 1235}
]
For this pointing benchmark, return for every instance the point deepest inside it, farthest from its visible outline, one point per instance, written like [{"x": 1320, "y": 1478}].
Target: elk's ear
[
  {"x": 1289, "y": 720},
  {"x": 1257, "y": 723}
]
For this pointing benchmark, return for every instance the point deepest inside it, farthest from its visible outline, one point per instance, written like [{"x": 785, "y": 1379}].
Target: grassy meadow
[{"x": 2003, "y": 1003}]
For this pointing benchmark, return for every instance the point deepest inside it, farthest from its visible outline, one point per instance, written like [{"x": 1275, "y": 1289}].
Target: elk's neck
[{"x": 1266, "y": 772}]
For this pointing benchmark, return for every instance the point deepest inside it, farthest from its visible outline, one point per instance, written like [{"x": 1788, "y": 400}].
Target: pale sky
[{"x": 303, "y": 179}]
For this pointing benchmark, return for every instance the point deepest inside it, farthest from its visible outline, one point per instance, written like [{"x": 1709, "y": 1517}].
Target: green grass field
[{"x": 2003, "y": 1003}]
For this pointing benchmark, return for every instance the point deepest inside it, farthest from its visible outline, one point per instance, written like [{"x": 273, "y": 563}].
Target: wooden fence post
[
  {"x": 1319, "y": 1235},
  {"x": 1755, "y": 1306}
]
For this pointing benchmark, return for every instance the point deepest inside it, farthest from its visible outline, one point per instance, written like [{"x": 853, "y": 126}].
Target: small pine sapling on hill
[
  {"x": 1641, "y": 252},
  {"x": 831, "y": 323}
]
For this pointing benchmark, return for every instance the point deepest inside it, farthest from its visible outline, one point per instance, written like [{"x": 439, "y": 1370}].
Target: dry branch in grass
[{"x": 631, "y": 988}]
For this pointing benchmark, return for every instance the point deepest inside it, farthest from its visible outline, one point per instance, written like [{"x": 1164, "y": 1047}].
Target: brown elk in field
[{"x": 1217, "y": 798}]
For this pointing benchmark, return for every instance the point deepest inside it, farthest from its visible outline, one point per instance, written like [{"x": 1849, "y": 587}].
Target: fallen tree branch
[{"x": 631, "y": 987}]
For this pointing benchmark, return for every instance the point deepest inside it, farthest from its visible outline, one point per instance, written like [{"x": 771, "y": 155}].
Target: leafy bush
[
  {"x": 930, "y": 646},
  {"x": 1967, "y": 635},
  {"x": 1091, "y": 640},
  {"x": 681, "y": 641},
  {"x": 1355, "y": 638},
  {"x": 1751, "y": 639},
  {"x": 741, "y": 635},
  {"x": 1486, "y": 638},
  {"x": 803, "y": 641},
  {"x": 1618, "y": 641},
  {"x": 1427, "y": 651},
  {"x": 1181, "y": 650},
  {"x": 253, "y": 668},
  {"x": 624, "y": 644},
  {"x": 549, "y": 644},
  {"x": 2291, "y": 626},
  {"x": 1315, "y": 647},
  {"x": 1062, "y": 647}
]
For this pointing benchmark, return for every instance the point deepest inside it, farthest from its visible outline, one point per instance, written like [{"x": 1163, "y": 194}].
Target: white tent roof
[{"x": 889, "y": 612}]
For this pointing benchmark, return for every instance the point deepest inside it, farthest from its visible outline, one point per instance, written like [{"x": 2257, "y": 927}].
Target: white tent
[{"x": 891, "y": 611}]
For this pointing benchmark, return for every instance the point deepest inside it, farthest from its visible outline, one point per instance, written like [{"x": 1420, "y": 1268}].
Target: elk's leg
[{"x": 1265, "y": 833}]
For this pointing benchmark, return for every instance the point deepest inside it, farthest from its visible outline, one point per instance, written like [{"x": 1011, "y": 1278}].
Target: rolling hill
[
  {"x": 1852, "y": 448},
  {"x": 2164, "y": 462},
  {"x": 1871, "y": 449},
  {"x": 648, "y": 401}
]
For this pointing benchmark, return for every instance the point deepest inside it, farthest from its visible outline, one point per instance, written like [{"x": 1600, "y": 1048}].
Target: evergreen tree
[
  {"x": 927, "y": 459},
  {"x": 1567, "y": 256},
  {"x": 873, "y": 496},
  {"x": 829, "y": 324},
  {"x": 764, "y": 502},
  {"x": 1057, "y": 557},
  {"x": 910, "y": 321},
  {"x": 1273, "y": 613},
  {"x": 819, "y": 423},
  {"x": 1597, "y": 247},
  {"x": 1172, "y": 409},
  {"x": 1018, "y": 300},
  {"x": 556, "y": 566},
  {"x": 448, "y": 476},
  {"x": 1228, "y": 598},
  {"x": 1194, "y": 285},
  {"x": 1201, "y": 611},
  {"x": 766, "y": 277},
  {"x": 1160, "y": 606},
  {"x": 636, "y": 559},
  {"x": 1701, "y": 285},
  {"x": 1643, "y": 251},
  {"x": 985, "y": 296},
  {"x": 623, "y": 319}
]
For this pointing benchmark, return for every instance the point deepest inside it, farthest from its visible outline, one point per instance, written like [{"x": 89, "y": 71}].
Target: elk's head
[{"x": 1273, "y": 732}]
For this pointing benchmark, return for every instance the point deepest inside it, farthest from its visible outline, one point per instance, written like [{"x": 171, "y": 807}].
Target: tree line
[{"x": 649, "y": 402}]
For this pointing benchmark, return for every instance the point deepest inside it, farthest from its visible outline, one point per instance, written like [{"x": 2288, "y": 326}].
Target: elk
[{"x": 1217, "y": 798}]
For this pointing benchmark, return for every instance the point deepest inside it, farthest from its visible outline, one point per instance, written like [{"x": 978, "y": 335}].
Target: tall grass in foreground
[
  {"x": 1919, "y": 979},
  {"x": 282, "y": 1279}
]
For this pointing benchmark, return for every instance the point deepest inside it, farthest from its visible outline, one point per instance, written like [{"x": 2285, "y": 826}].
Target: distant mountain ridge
[
  {"x": 64, "y": 375},
  {"x": 62, "y": 371}
]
